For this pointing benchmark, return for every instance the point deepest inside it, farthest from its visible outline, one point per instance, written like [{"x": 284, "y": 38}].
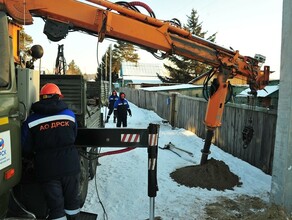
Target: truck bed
[{"x": 74, "y": 88}]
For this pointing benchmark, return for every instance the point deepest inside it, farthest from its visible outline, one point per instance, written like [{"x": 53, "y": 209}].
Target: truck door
[{"x": 10, "y": 151}]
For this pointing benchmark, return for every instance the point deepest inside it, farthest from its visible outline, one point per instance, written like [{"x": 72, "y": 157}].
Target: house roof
[
  {"x": 142, "y": 79},
  {"x": 173, "y": 87},
  {"x": 141, "y": 69},
  {"x": 268, "y": 90}
]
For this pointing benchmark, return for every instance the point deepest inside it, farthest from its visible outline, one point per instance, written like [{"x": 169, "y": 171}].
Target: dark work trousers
[
  {"x": 110, "y": 111},
  {"x": 121, "y": 121},
  {"x": 62, "y": 196}
]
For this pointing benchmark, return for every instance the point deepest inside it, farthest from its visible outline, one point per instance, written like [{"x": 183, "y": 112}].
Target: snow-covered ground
[{"x": 121, "y": 179}]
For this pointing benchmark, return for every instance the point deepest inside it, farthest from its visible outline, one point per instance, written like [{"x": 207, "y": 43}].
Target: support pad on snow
[{"x": 87, "y": 216}]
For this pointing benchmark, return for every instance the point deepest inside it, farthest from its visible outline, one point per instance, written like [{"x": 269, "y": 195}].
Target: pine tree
[
  {"x": 125, "y": 52},
  {"x": 122, "y": 51},
  {"x": 104, "y": 67},
  {"x": 182, "y": 69},
  {"x": 73, "y": 69}
]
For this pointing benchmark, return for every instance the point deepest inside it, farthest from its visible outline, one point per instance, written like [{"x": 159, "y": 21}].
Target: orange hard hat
[{"x": 51, "y": 89}]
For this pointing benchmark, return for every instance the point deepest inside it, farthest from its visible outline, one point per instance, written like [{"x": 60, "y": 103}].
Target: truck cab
[
  {"x": 19, "y": 88},
  {"x": 10, "y": 149}
]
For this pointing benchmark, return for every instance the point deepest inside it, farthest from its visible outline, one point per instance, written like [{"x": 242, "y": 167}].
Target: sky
[
  {"x": 252, "y": 27},
  {"x": 121, "y": 179}
]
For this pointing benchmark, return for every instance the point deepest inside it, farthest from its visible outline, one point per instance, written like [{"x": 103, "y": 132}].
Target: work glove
[{"x": 130, "y": 113}]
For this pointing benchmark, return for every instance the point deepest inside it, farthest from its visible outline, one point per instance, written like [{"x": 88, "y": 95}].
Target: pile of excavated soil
[{"x": 214, "y": 174}]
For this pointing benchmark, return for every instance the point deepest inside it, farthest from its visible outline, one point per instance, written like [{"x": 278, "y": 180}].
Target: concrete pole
[{"x": 281, "y": 189}]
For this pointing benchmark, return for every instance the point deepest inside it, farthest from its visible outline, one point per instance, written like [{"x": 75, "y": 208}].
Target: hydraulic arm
[{"x": 105, "y": 19}]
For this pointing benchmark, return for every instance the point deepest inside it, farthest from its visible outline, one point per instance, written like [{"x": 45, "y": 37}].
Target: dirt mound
[{"x": 214, "y": 174}]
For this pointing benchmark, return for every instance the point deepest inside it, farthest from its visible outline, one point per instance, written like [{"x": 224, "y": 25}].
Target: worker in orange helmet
[{"x": 49, "y": 134}]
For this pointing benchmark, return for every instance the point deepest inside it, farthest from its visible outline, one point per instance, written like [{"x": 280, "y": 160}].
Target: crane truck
[{"x": 103, "y": 19}]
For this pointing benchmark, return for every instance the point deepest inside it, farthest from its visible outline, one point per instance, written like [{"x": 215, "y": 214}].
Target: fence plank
[{"x": 190, "y": 113}]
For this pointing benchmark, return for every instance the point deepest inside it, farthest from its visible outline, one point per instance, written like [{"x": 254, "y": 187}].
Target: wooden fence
[{"x": 189, "y": 113}]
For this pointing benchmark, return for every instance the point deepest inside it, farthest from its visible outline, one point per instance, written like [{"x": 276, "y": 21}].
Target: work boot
[{"x": 106, "y": 121}]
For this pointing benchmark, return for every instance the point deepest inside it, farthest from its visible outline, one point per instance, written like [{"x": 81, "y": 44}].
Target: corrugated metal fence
[{"x": 189, "y": 113}]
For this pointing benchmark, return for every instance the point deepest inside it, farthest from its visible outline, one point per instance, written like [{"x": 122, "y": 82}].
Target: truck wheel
[
  {"x": 83, "y": 180},
  {"x": 92, "y": 163}
]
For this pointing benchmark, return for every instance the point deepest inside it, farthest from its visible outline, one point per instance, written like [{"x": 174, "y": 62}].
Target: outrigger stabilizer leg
[
  {"x": 152, "y": 167},
  {"x": 129, "y": 138}
]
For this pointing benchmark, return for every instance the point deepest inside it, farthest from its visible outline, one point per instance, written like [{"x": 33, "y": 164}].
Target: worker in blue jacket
[
  {"x": 121, "y": 108},
  {"x": 49, "y": 134},
  {"x": 111, "y": 101}
]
